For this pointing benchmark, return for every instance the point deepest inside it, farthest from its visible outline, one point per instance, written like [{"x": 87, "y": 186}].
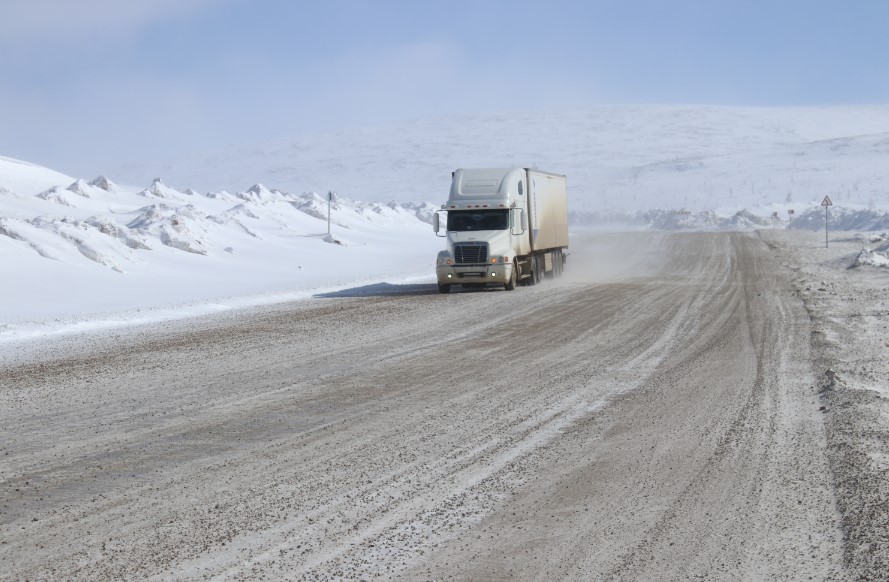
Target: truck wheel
[
  {"x": 510, "y": 285},
  {"x": 444, "y": 288},
  {"x": 535, "y": 272}
]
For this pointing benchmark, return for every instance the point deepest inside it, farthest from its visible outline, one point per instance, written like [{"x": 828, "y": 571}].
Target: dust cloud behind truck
[{"x": 504, "y": 226}]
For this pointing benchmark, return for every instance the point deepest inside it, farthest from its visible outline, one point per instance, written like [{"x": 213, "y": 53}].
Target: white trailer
[{"x": 503, "y": 226}]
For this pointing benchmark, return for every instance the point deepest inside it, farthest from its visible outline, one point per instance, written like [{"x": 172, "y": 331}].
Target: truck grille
[{"x": 471, "y": 253}]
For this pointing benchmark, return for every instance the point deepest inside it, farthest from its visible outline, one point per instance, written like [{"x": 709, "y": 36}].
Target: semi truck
[{"x": 504, "y": 226}]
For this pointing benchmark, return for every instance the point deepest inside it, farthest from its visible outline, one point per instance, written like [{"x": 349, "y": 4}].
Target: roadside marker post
[{"x": 826, "y": 203}]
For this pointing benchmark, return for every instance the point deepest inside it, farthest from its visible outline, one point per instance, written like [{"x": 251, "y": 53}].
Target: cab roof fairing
[{"x": 485, "y": 186}]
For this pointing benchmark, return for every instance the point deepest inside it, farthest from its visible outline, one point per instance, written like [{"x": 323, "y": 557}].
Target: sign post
[
  {"x": 826, "y": 203},
  {"x": 329, "y": 198}
]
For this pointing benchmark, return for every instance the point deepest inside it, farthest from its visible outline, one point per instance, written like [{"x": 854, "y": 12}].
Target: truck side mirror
[{"x": 436, "y": 223}]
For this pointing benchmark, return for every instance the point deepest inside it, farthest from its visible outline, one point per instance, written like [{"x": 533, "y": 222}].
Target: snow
[
  {"x": 26, "y": 178},
  {"x": 876, "y": 257},
  {"x": 76, "y": 254},
  {"x": 618, "y": 159}
]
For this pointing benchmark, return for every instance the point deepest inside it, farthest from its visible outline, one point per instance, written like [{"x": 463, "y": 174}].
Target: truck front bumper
[{"x": 473, "y": 274}]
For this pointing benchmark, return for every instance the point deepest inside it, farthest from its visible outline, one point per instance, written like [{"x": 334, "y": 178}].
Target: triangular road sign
[{"x": 826, "y": 201}]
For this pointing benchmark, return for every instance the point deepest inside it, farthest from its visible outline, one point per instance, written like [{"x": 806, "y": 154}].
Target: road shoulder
[{"x": 849, "y": 309}]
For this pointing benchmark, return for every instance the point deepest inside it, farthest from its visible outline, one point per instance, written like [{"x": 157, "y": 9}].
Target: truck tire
[
  {"x": 535, "y": 272},
  {"x": 444, "y": 288},
  {"x": 510, "y": 285}
]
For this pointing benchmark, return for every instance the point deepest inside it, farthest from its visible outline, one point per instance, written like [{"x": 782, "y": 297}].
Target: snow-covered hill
[
  {"x": 617, "y": 159},
  {"x": 21, "y": 177}
]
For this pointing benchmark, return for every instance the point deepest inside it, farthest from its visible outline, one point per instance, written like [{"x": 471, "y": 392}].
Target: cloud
[
  {"x": 90, "y": 123},
  {"x": 82, "y": 128},
  {"x": 43, "y": 20},
  {"x": 428, "y": 78}
]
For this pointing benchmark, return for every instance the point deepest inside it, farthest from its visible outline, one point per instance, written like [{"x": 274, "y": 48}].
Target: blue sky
[{"x": 90, "y": 84}]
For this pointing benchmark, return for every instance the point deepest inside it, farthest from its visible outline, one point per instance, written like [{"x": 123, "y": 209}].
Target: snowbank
[{"x": 76, "y": 254}]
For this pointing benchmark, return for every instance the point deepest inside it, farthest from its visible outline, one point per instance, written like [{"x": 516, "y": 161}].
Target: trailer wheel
[
  {"x": 444, "y": 288},
  {"x": 554, "y": 272},
  {"x": 510, "y": 285}
]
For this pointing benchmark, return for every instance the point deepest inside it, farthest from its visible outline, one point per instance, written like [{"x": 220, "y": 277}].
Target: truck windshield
[{"x": 478, "y": 220}]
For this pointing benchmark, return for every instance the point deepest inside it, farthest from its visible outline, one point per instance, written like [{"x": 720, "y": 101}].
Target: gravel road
[{"x": 652, "y": 415}]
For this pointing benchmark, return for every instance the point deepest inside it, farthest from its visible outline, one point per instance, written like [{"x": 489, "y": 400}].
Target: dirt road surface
[{"x": 652, "y": 415}]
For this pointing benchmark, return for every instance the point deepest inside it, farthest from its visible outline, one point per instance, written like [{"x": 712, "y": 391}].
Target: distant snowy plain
[{"x": 81, "y": 255}]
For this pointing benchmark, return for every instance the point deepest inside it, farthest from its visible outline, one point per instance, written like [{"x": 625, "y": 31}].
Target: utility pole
[{"x": 329, "y": 199}]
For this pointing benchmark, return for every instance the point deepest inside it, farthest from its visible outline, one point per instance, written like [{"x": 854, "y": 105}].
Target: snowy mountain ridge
[
  {"x": 617, "y": 158},
  {"x": 182, "y": 220}
]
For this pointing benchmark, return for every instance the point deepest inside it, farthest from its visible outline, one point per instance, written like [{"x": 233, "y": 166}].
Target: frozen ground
[
  {"x": 663, "y": 425},
  {"x": 848, "y": 303}
]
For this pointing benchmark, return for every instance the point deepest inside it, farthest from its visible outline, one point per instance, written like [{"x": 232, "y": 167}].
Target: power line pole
[{"x": 329, "y": 198}]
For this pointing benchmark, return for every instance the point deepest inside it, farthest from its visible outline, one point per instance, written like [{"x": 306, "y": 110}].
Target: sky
[{"x": 92, "y": 84}]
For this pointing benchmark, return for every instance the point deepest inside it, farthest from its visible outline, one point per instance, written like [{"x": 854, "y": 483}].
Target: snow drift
[{"x": 74, "y": 249}]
